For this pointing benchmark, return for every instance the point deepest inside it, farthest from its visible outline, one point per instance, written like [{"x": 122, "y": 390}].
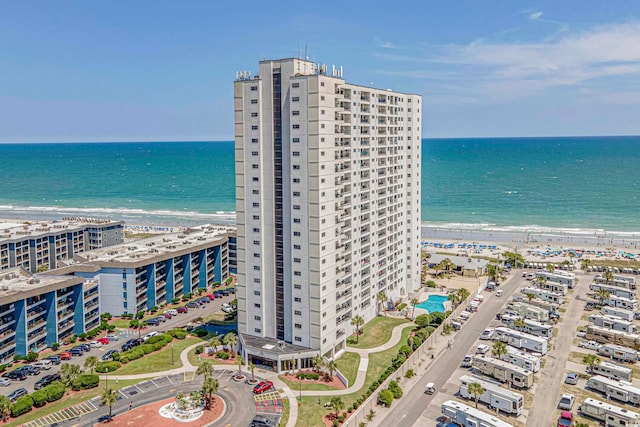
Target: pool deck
[{"x": 424, "y": 296}]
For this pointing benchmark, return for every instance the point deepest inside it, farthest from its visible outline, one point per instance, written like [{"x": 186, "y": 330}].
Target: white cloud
[{"x": 535, "y": 16}]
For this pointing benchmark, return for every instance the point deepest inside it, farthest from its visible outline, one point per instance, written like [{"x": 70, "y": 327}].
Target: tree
[
  {"x": 252, "y": 367},
  {"x": 231, "y": 340},
  {"x": 215, "y": 342},
  {"x": 91, "y": 363},
  {"x": 381, "y": 298},
  {"x": 109, "y": 398},
  {"x": 463, "y": 294},
  {"x": 205, "y": 369},
  {"x": 520, "y": 323},
  {"x": 239, "y": 362},
  {"x": 550, "y": 267},
  {"x": 540, "y": 280},
  {"x": 608, "y": 276},
  {"x": 591, "y": 360},
  {"x": 5, "y": 406},
  {"x": 494, "y": 271},
  {"x": 585, "y": 264},
  {"x": 357, "y": 321},
  {"x": 69, "y": 372},
  {"x": 447, "y": 265},
  {"x": 414, "y": 302},
  {"x": 337, "y": 404},
  {"x": 513, "y": 258},
  {"x": 318, "y": 362},
  {"x": 423, "y": 320},
  {"x": 603, "y": 294},
  {"x": 477, "y": 391},
  {"x": 498, "y": 348},
  {"x": 453, "y": 297},
  {"x": 209, "y": 387},
  {"x": 531, "y": 296},
  {"x": 332, "y": 367}
]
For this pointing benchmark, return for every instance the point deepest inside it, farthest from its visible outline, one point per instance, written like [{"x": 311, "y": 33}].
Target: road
[{"x": 409, "y": 409}]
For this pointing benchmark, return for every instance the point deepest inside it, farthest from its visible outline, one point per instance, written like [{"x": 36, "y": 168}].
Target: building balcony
[{"x": 35, "y": 336}]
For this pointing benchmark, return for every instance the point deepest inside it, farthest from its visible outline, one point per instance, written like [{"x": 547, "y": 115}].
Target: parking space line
[
  {"x": 169, "y": 379},
  {"x": 139, "y": 389}
]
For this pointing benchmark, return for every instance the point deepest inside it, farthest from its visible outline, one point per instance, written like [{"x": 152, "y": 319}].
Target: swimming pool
[{"x": 434, "y": 303}]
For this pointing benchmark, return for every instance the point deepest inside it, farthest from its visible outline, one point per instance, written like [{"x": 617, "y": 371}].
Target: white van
[
  {"x": 227, "y": 308},
  {"x": 43, "y": 364}
]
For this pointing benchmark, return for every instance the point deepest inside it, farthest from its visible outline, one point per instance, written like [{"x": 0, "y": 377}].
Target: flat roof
[
  {"x": 153, "y": 249},
  {"x": 17, "y": 284},
  {"x": 10, "y": 230}
]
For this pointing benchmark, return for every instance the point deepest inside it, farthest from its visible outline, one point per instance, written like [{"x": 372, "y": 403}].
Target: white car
[
  {"x": 467, "y": 362},
  {"x": 482, "y": 349},
  {"x": 95, "y": 344},
  {"x": 149, "y": 335},
  {"x": 487, "y": 334},
  {"x": 591, "y": 345},
  {"x": 113, "y": 337},
  {"x": 566, "y": 401},
  {"x": 172, "y": 312},
  {"x": 5, "y": 382},
  {"x": 227, "y": 308}
]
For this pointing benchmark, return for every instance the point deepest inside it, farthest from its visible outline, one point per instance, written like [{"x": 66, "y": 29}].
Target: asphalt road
[{"x": 409, "y": 409}]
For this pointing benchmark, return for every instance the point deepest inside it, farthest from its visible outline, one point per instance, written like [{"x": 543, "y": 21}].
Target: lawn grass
[
  {"x": 376, "y": 332},
  {"x": 160, "y": 360},
  {"x": 348, "y": 364},
  {"x": 285, "y": 412},
  {"x": 311, "y": 409},
  {"x": 68, "y": 401},
  {"x": 120, "y": 323},
  {"x": 295, "y": 385}
]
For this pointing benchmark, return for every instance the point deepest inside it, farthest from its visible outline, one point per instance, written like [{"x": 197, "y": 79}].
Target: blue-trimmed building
[{"x": 39, "y": 310}]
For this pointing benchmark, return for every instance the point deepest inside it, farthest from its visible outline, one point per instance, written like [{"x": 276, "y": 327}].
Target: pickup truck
[{"x": 591, "y": 345}]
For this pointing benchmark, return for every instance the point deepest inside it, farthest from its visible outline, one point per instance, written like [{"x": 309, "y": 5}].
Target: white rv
[
  {"x": 614, "y": 371},
  {"x": 549, "y": 306},
  {"x": 626, "y": 303},
  {"x": 604, "y": 336},
  {"x": 494, "y": 395},
  {"x": 622, "y": 313},
  {"x": 620, "y": 390},
  {"x": 531, "y": 326},
  {"x": 529, "y": 311},
  {"x": 521, "y": 359},
  {"x": 547, "y": 296},
  {"x": 611, "y": 415},
  {"x": 465, "y": 415},
  {"x": 522, "y": 340},
  {"x": 618, "y": 280},
  {"x": 559, "y": 276},
  {"x": 503, "y": 371},
  {"x": 614, "y": 290},
  {"x": 559, "y": 288},
  {"x": 612, "y": 322},
  {"x": 618, "y": 352}
]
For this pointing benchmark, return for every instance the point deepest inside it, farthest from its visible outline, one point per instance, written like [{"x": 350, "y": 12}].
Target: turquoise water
[
  {"x": 585, "y": 183},
  {"x": 434, "y": 303}
]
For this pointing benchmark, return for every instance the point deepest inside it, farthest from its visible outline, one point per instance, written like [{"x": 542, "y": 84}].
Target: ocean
[{"x": 582, "y": 184}]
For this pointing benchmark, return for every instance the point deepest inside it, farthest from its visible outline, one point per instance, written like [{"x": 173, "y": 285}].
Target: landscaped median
[{"x": 375, "y": 333}]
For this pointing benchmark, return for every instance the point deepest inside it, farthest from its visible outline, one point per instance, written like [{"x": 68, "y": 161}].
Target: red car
[
  {"x": 103, "y": 340},
  {"x": 183, "y": 309},
  {"x": 65, "y": 355},
  {"x": 262, "y": 387},
  {"x": 211, "y": 297}
]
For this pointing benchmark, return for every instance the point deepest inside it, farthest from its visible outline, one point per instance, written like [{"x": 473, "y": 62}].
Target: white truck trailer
[
  {"x": 626, "y": 303},
  {"x": 611, "y": 415},
  {"x": 547, "y": 296},
  {"x": 620, "y": 390},
  {"x": 530, "y": 326},
  {"x": 465, "y": 415},
  {"x": 613, "y": 322},
  {"x": 521, "y": 359},
  {"x": 613, "y": 371},
  {"x": 521, "y": 340},
  {"x": 559, "y": 276},
  {"x": 618, "y": 352},
  {"x": 614, "y": 290},
  {"x": 506, "y": 401},
  {"x": 529, "y": 311},
  {"x": 503, "y": 371}
]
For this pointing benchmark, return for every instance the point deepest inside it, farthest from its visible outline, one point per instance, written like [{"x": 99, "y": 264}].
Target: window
[
  {"x": 256, "y": 267},
  {"x": 257, "y": 317},
  {"x": 296, "y": 246},
  {"x": 296, "y": 233},
  {"x": 256, "y": 217},
  {"x": 296, "y": 140},
  {"x": 256, "y": 305},
  {"x": 321, "y": 112},
  {"x": 297, "y": 299},
  {"x": 256, "y": 242},
  {"x": 295, "y": 84},
  {"x": 297, "y": 273},
  {"x": 256, "y": 255},
  {"x": 297, "y": 260},
  {"x": 297, "y": 313},
  {"x": 295, "y": 98},
  {"x": 298, "y": 339},
  {"x": 254, "y": 139},
  {"x": 296, "y": 220},
  {"x": 297, "y": 326},
  {"x": 255, "y": 166},
  {"x": 296, "y": 126},
  {"x": 255, "y": 179},
  {"x": 296, "y": 194},
  {"x": 322, "y": 84},
  {"x": 297, "y": 286},
  {"x": 296, "y": 154},
  {"x": 255, "y": 191},
  {"x": 255, "y": 204},
  {"x": 296, "y": 207},
  {"x": 295, "y": 113},
  {"x": 296, "y": 167},
  {"x": 256, "y": 230},
  {"x": 254, "y": 153},
  {"x": 254, "y": 127},
  {"x": 321, "y": 97},
  {"x": 256, "y": 280},
  {"x": 254, "y": 114},
  {"x": 296, "y": 180},
  {"x": 258, "y": 330},
  {"x": 254, "y": 87},
  {"x": 254, "y": 101}
]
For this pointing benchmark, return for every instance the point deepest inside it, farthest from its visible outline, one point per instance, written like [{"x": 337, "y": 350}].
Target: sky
[{"x": 163, "y": 70}]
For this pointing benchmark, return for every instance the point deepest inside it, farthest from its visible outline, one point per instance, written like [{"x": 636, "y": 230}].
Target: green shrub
[
  {"x": 111, "y": 328},
  {"x": 178, "y": 333},
  {"x": 17, "y": 358},
  {"x": 154, "y": 309},
  {"x": 431, "y": 284},
  {"x": 39, "y": 398},
  {"x": 134, "y": 323},
  {"x": 335, "y": 423},
  {"x": 423, "y": 320},
  {"x": 84, "y": 382},
  {"x": 55, "y": 391},
  {"x": 175, "y": 300},
  {"x": 385, "y": 397},
  {"x": 417, "y": 342},
  {"x": 146, "y": 348},
  {"x": 140, "y": 315},
  {"x": 116, "y": 356},
  {"x": 200, "y": 332},
  {"x": 395, "y": 389},
  {"x": 406, "y": 350},
  {"x": 158, "y": 338},
  {"x": 222, "y": 355},
  {"x": 199, "y": 349},
  {"x": 73, "y": 339},
  {"x": 55, "y": 346},
  {"x": 83, "y": 336},
  {"x": 409, "y": 373},
  {"x": 106, "y": 316},
  {"x": 22, "y": 406},
  {"x": 158, "y": 346},
  {"x": 31, "y": 357},
  {"x": 102, "y": 367},
  {"x": 124, "y": 360}
]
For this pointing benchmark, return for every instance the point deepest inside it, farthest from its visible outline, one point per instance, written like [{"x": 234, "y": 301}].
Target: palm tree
[
  {"x": 209, "y": 387},
  {"x": 318, "y": 362},
  {"x": 205, "y": 369},
  {"x": 69, "y": 372},
  {"x": 357, "y": 321},
  {"x": 231, "y": 340},
  {"x": 414, "y": 302},
  {"x": 109, "y": 398},
  {"x": 215, "y": 342},
  {"x": 91, "y": 363},
  {"x": 5, "y": 406},
  {"x": 455, "y": 300},
  {"x": 608, "y": 276},
  {"x": 463, "y": 294},
  {"x": 381, "y": 298},
  {"x": 446, "y": 265},
  {"x": 477, "y": 391},
  {"x": 513, "y": 258},
  {"x": 239, "y": 362},
  {"x": 494, "y": 271},
  {"x": 550, "y": 267},
  {"x": 531, "y": 296},
  {"x": 603, "y": 294},
  {"x": 520, "y": 323},
  {"x": 331, "y": 367},
  {"x": 337, "y": 404},
  {"x": 591, "y": 360},
  {"x": 540, "y": 280},
  {"x": 252, "y": 367},
  {"x": 498, "y": 348}
]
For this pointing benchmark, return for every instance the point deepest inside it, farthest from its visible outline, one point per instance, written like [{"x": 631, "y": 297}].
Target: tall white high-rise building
[{"x": 328, "y": 207}]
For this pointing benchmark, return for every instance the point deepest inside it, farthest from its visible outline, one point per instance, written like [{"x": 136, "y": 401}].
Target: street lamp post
[
  {"x": 299, "y": 377},
  {"x": 106, "y": 385}
]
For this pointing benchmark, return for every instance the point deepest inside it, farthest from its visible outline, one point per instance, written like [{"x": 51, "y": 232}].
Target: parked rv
[
  {"x": 521, "y": 359},
  {"x": 612, "y": 322},
  {"x": 612, "y": 415},
  {"x": 522, "y": 340},
  {"x": 531, "y": 326},
  {"x": 618, "y": 352},
  {"x": 612, "y": 370},
  {"x": 503, "y": 371},
  {"x": 622, "y": 313},
  {"x": 614, "y": 290},
  {"x": 494, "y": 395},
  {"x": 620, "y": 390},
  {"x": 465, "y": 415}
]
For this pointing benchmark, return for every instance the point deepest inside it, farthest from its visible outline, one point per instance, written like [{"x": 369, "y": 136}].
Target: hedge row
[
  {"x": 103, "y": 367},
  {"x": 85, "y": 381},
  {"x": 152, "y": 344},
  {"x": 308, "y": 376},
  {"x": 50, "y": 393}
]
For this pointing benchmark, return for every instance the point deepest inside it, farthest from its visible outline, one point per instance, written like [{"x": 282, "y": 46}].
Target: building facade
[
  {"x": 328, "y": 206},
  {"x": 42, "y": 245}
]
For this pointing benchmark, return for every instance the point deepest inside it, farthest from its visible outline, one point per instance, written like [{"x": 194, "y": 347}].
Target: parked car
[
  {"x": 153, "y": 322},
  {"x": 566, "y": 401},
  {"x": 76, "y": 352},
  {"x": 225, "y": 292},
  {"x": 15, "y": 375},
  {"x": 112, "y": 337},
  {"x": 95, "y": 344},
  {"x": 211, "y": 297},
  {"x": 29, "y": 370},
  {"x": 192, "y": 304},
  {"x": 109, "y": 355},
  {"x": 218, "y": 294},
  {"x": 45, "y": 381},
  {"x": 43, "y": 364},
  {"x": 65, "y": 355},
  {"x": 5, "y": 382},
  {"x": 56, "y": 360},
  {"x": 150, "y": 334},
  {"x": 161, "y": 318},
  {"x": 182, "y": 310},
  {"x": 262, "y": 421},
  {"x": 487, "y": 334},
  {"x": 103, "y": 340},
  {"x": 572, "y": 378},
  {"x": 262, "y": 386},
  {"x": 205, "y": 300},
  {"x": 84, "y": 346},
  {"x": 566, "y": 419},
  {"x": 590, "y": 345},
  {"x": 131, "y": 343},
  {"x": 172, "y": 311},
  {"x": 167, "y": 316},
  {"x": 467, "y": 362},
  {"x": 589, "y": 306},
  {"x": 482, "y": 349},
  {"x": 17, "y": 394}
]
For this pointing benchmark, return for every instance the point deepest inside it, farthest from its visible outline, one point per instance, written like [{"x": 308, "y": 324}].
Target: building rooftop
[
  {"x": 153, "y": 249},
  {"x": 272, "y": 345},
  {"x": 18, "y": 230},
  {"x": 16, "y": 284}
]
